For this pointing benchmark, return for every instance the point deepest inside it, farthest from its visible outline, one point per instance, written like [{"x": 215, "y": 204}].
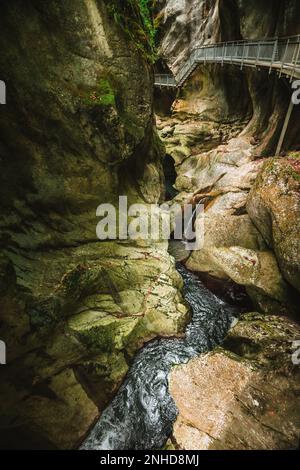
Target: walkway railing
[
  {"x": 280, "y": 54},
  {"x": 165, "y": 80}
]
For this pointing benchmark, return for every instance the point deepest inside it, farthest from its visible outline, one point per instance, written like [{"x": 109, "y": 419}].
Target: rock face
[
  {"x": 274, "y": 207},
  {"x": 243, "y": 396},
  {"x": 222, "y": 125},
  {"x": 185, "y": 23},
  {"x": 220, "y": 179},
  {"x": 224, "y": 93},
  {"x": 77, "y": 131},
  {"x": 235, "y": 244},
  {"x": 259, "y": 272}
]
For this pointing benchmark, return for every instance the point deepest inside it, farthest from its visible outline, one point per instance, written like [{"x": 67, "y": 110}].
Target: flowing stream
[{"x": 141, "y": 415}]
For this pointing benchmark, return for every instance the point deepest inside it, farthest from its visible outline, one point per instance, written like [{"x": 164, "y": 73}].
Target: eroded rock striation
[
  {"x": 77, "y": 131},
  {"x": 223, "y": 127},
  {"x": 222, "y": 132},
  {"x": 225, "y": 93}
]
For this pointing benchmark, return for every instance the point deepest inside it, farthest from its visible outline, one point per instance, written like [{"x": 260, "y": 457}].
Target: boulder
[
  {"x": 258, "y": 271},
  {"x": 274, "y": 207},
  {"x": 222, "y": 231},
  {"x": 245, "y": 394}
]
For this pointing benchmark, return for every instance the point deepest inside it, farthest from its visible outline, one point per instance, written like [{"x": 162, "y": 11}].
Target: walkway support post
[{"x": 284, "y": 129}]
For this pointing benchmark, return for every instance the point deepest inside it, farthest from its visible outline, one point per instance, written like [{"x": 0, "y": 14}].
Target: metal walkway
[{"x": 281, "y": 55}]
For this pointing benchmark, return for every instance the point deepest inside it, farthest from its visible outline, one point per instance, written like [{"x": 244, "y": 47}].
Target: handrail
[
  {"x": 250, "y": 41},
  {"x": 280, "y": 54}
]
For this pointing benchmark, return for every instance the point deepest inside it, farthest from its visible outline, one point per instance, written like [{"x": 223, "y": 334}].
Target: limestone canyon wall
[
  {"x": 221, "y": 133},
  {"x": 77, "y": 131},
  {"x": 223, "y": 124},
  {"x": 227, "y": 93}
]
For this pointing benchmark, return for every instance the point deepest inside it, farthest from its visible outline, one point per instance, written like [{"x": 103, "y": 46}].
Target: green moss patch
[
  {"x": 103, "y": 94},
  {"x": 100, "y": 331}
]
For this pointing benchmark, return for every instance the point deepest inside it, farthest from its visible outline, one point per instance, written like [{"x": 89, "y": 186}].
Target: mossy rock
[
  {"x": 102, "y": 95},
  {"x": 101, "y": 331},
  {"x": 274, "y": 207}
]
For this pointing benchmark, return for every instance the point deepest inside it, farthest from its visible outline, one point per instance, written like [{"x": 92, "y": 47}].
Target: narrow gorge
[{"x": 142, "y": 342}]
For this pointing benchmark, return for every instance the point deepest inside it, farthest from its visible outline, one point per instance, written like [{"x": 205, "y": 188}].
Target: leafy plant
[
  {"x": 103, "y": 95},
  {"x": 135, "y": 18},
  {"x": 146, "y": 13}
]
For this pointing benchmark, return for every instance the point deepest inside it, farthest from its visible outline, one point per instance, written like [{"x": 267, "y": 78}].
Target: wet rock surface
[
  {"x": 77, "y": 131},
  {"x": 244, "y": 395},
  {"x": 142, "y": 413}
]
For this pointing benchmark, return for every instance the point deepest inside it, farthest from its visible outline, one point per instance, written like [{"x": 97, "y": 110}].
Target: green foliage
[
  {"x": 107, "y": 96},
  {"x": 294, "y": 155},
  {"x": 104, "y": 94},
  {"x": 146, "y": 13},
  {"x": 135, "y": 18}
]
